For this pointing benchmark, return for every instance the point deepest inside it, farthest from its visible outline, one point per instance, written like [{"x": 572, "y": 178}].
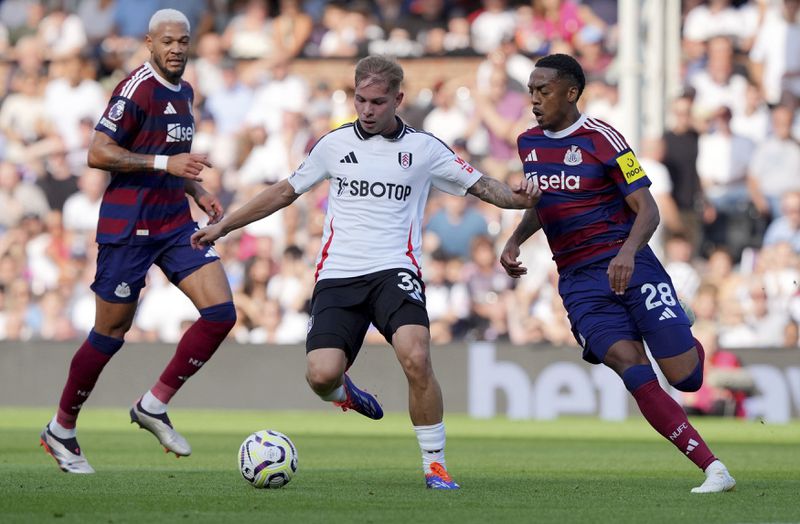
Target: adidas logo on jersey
[
  {"x": 170, "y": 110},
  {"x": 531, "y": 156},
  {"x": 668, "y": 313},
  {"x": 692, "y": 444},
  {"x": 350, "y": 158}
]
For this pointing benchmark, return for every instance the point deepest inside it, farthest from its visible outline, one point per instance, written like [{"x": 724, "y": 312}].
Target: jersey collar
[
  {"x": 568, "y": 131},
  {"x": 396, "y": 135},
  {"x": 163, "y": 81}
]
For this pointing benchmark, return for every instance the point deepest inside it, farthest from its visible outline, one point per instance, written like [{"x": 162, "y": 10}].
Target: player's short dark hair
[
  {"x": 378, "y": 68},
  {"x": 566, "y": 67}
]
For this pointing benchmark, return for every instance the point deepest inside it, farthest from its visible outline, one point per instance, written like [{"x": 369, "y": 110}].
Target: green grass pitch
[{"x": 355, "y": 470}]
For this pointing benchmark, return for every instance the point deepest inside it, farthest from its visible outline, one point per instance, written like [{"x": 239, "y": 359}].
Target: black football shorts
[{"x": 343, "y": 308}]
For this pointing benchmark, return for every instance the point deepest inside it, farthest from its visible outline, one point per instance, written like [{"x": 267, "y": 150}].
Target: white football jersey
[{"x": 378, "y": 190}]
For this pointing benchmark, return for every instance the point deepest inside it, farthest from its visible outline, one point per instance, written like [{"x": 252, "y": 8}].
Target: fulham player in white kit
[{"x": 380, "y": 172}]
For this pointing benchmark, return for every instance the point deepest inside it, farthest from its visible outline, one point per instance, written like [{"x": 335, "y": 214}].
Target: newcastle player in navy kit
[
  {"x": 144, "y": 140},
  {"x": 380, "y": 172}
]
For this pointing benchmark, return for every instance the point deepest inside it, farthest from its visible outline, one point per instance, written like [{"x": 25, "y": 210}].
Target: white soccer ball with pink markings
[{"x": 267, "y": 459}]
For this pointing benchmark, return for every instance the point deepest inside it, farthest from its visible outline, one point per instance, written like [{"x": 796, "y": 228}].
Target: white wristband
[{"x": 160, "y": 162}]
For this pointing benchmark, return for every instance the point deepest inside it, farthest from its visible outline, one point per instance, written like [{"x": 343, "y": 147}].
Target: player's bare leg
[
  {"x": 59, "y": 437},
  {"x": 208, "y": 289},
  {"x": 628, "y": 359},
  {"x": 325, "y": 374},
  {"x": 412, "y": 346}
]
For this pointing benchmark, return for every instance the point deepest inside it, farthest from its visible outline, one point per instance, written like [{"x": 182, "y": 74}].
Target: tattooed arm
[
  {"x": 495, "y": 192},
  {"x": 106, "y": 154}
]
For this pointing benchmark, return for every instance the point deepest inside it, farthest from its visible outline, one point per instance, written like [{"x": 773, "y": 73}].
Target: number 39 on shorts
[
  {"x": 410, "y": 285},
  {"x": 658, "y": 295}
]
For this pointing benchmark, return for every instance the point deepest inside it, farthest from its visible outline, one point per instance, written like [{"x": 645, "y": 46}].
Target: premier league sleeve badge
[{"x": 117, "y": 110}]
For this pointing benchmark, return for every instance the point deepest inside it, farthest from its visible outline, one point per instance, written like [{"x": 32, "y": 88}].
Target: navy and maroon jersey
[
  {"x": 146, "y": 115},
  {"x": 585, "y": 172}
]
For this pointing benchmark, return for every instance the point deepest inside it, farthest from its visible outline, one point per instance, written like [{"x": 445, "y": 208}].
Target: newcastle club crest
[{"x": 404, "y": 158}]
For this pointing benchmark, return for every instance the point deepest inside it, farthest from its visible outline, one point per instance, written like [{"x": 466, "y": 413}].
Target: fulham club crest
[{"x": 404, "y": 158}]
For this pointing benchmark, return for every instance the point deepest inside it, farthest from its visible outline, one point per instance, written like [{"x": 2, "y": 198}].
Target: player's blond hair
[
  {"x": 165, "y": 16},
  {"x": 381, "y": 69}
]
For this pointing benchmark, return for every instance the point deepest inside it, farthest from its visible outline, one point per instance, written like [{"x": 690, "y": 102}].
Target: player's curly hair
[
  {"x": 567, "y": 67},
  {"x": 379, "y": 68}
]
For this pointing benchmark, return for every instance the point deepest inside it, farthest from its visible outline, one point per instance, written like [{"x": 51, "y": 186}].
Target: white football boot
[
  {"x": 160, "y": 426},
  {"x": 717, "y": 479},
  {"x": 66, "y": 451}
]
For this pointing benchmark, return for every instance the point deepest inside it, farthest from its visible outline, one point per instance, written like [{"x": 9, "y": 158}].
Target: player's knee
[
  {"x": 636, "y": 376},
  {"x": 692, "y": 382},
  {"x": 416, "y": 361},
  {"x": 224, "y": 312},
  {"x": 322, "y": 380}
]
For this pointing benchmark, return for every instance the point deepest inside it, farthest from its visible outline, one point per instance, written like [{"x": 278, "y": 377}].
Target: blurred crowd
[{"x": 726, "y": 172}]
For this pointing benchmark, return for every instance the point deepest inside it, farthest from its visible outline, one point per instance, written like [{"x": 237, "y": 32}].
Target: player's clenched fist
[{"x": 188, "y": 165}]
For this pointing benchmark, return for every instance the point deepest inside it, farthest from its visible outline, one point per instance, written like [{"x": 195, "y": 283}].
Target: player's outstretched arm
[
  {"x": 488, "y": 189},
  {"x": 273, "y": 198},
  {"x": 106, "y": 154},
  {"x": 525, "y": 229}
]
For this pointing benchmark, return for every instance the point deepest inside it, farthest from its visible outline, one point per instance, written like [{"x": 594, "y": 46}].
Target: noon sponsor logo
[{"x": 630, "y": 167}]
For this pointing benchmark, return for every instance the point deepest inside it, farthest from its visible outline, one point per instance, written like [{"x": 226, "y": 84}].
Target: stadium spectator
[
  {"x": 605, "y": 278},
  {"x": 18, "y": 198},
  {"x": 70, "y": 97},
  {"x": 713, "y": 18},
  {"x": 775, "y": 165},
  {"x": 489, "y": 291},
  {"x": 447, "y": 301},
  {"x": 291, "y": 28},
  {"x": 503, "y": 113},
  {"x": 455, "y": 225},
  {"x": 58, "y": 181},
  {"x": 248, "y": 35},
  {"x": 592, "y": 54},
  {"x": 726, "y": 383},
  {"x": 98, "y": 19},
  {"x": 722, "y": 159},
  {"x": 718, "y": 84},
  {"x": 786, "y": 228},
  {"x": 447, "y": 119},
  {"x": 774, "y": 64},
  {"x": 494, "y": 22},
  {"x": 651, "y": 161},
  {"x": 82, "y": 209},
  {"x": 753, "y": 120},
  {"x": 680, "y": 159}
]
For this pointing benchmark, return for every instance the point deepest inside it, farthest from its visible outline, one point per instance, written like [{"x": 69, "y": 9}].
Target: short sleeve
[
  {"x": 311, "y": 171},
  {"x": 450, "y": 173},
  {"x": 121, "y": 120}
]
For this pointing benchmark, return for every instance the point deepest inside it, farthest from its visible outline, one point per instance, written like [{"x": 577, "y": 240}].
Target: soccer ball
[{"x": 267, "y": 459}]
